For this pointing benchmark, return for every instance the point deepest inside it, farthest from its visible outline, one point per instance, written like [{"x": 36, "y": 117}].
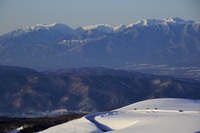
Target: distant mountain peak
[
  {"x": 106, "y": 28},
  {"x": 120, "y": 28},
  {"x": 155, "y": 21},
  {"x": 177, "y": 20},
  {"x": 89, "y": 27},
  {"x": 58, "y": 26}
]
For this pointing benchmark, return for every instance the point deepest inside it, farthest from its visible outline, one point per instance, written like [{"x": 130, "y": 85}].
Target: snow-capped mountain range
[
  {"x": 104, "y": 28},
  {"x": 172, "y": 41}
]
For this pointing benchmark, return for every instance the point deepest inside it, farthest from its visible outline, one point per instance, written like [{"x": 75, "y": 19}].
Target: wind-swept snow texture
[{"x": 150, "y": 116}]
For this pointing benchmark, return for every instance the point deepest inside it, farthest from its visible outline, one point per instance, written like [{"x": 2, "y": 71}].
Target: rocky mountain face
[
  {"x": 174, "y": 42},
  {"x": 26, "y": 91}
]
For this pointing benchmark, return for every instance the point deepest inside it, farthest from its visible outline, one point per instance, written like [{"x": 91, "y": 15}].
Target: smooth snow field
[{"x": 166, "y": 115}]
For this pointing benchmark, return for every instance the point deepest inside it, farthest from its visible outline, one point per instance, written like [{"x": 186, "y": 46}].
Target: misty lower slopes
[
  {"x": 26, "y": 92},
  {"x": 173, "y": 42}
]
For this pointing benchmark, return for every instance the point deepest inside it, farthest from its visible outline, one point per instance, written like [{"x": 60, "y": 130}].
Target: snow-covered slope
[
  {"x": 120, "y": 28},
  {"x": 152, "y": 116},
  {"x": 104, "y": 28},
  {"x": 166, "y": 104}
]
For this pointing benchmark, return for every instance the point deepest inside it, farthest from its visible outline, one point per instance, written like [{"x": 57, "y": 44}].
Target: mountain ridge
[
  {"x": 144, "y": 22},
  {"x": 175, "y": 44}
]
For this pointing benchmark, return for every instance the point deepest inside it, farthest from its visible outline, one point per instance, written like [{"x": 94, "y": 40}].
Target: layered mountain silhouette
[
  {"x": 29, "y": 92},
  {"x": 174, "y": 42}
]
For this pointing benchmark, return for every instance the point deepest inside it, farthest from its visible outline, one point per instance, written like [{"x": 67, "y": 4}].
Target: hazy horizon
[{"x": 75, "y": 13}]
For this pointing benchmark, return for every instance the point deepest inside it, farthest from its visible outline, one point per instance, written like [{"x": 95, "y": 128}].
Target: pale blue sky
[{"x": 16, "y": 14}]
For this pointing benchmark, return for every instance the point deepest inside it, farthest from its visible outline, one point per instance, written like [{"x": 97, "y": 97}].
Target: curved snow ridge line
[
  {"x": 115, "y": 122},
  {"x": 101, "y": 126}
]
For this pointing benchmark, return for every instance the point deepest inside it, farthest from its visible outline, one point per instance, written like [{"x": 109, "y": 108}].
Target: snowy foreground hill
[{"x": 151, "y": 116}]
